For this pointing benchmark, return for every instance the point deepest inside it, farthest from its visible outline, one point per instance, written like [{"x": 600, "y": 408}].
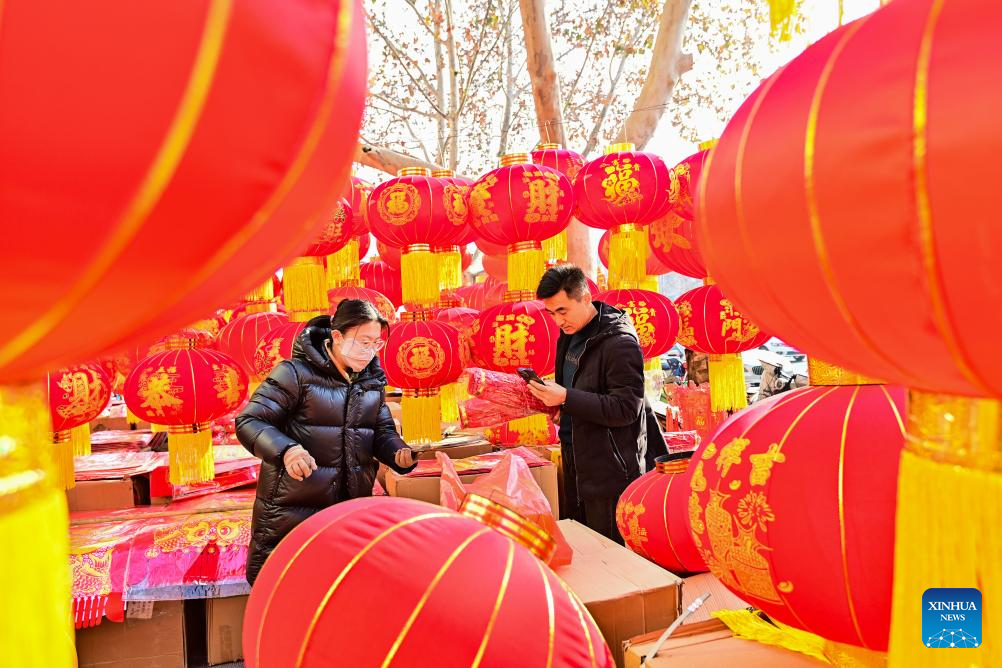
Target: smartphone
[{"x": 530, "y": 375}]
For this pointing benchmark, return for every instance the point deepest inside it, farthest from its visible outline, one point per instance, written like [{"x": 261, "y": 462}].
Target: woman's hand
[
  {"x": 299, "y": 463},
  {"x": 405, "y": 458}
]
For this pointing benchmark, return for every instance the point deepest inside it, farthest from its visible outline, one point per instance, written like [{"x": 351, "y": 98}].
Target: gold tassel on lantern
[
  {"x": 419, "y": 275},
  {"x": 342, "y": 267},
  {"x": 450, "y": 268},
  {"x": 36, "y": 627},
  {"x": 526, "y": 264},
  {"x": 628, "y": 256},
  {"x": 451, "y": 396},
  {"x": 261, "y": 299},
  {"x": 421, "y": 416},
  {"x": 305, "y": 288},
  {"x": 555, "y": 249},
  {"x": 62, "y": 453},
  {"x": 536, "y": 427},
  {"x": 947, "y": 534},
  {"x": 131, "y": 419},
  {"x": 783, "y": 17},
  {"x": 80, "y": 438},
  {"x": 190, "y": 457},
  {"x": 727, "y": 383}
]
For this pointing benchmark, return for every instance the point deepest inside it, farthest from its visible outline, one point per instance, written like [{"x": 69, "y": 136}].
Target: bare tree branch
[
  {"x": 407, "y": 65},
  {"x": 388, "y": 160}
]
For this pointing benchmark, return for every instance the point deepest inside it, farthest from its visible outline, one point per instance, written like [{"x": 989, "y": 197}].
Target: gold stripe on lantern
[
  {"x": 305, "y": 285},
  {"x": 190, "y": 453},
  {"x": 507, "y": 522},
  {"x": 822, "y": 373}
]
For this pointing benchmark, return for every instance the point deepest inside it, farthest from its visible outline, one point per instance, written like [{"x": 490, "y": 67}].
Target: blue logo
[{"x": 951, "y": 618}]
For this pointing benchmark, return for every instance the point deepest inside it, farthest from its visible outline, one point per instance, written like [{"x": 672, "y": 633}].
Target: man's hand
[
  {"x": 299, "y": 463},
  {"x": 548, "y": 392},
  {"x": 404, "y": 458}
]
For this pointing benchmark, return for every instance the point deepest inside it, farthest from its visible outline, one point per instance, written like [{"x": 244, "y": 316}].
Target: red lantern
[
  {"x": 684, "y": 183},
  {"x": 487, "y": 248},
  {"x": 654, "y": 265},
  {"x": 450, "y": 257},
  {"x": 513, "y": 434},
  {"x": 342, "y": 265},
  {"x": 379, "y": 276},
  {"x": 337, "y": 231},
  {"x": 496, "y": 266},
  {"x": 275, "y": 346},
  {"x": 186, "y": 388},
  {"x": 519, "y": 334},
  {"x": 709, "y": 323},
  {"x": 421, "y": 356},
  {"x": 388, "y": 254},
  {"x": 77, "y": 395},
  {"x": 792, "y": 508},
  {"x": 240, "y": 337},
  {"x": 519, "y": 205},
  {"x": 653, "y": 519},
  {"x": 463, "y": 319},
  {"x": 623, "y": 191},
  {"x": 360, "y": 191},
  {"x": 569, "y": 164},
  {"x": 377, "y": 299},
  {"x": 477, "y": 598},
  {"x": 673, "y": 242},
  {"x": 305, "y": 278},
  {"x": 653, "y": 316}
]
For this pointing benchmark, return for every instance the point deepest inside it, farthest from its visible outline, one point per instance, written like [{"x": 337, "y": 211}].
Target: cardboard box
[
  {"x": 710, "y": 644},
  {"x": 158, "y": 640},
  {"x": 428, "y": 488},
  {"x": 626, "y": 594},
  {"x": 224, "y": 621},
  {"x": 108, "y": 494},
  {"x": 721, "y": 598}
]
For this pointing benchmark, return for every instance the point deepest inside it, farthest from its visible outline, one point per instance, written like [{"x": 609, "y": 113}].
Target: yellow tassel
[
  {"x": 131, "y": 418},
  {"x": 727, "y": 383},
  {"x": 419, "y": 274},
  {"x": 653, "y": 364},
  {"x": 342, "y": 266},
  {"x": 555, "y": 248},
  {"x": 650, "y": 283},
  {"x": 191, "y": 456},
  {"x": 36, "y": 627},
  {"x": 947, "y": 532},
  {"x": 421, "y": 416},
  {"x": 450, "y": 402},
  {"x": 62, "y": 453},
  {"x": 531, "y": 430},
  {"x": 305, "y": 289},
  {"x": 158, "y": 428},
  {"x": 263, "y": 293},
  {"x": 526, "y": 264},
  {"x": 750, "y": 626},
  {"x": 450, "y": 269},
  {"x": 782, "y": 18},
  {"x": 628, "y": 255},
  {"x": 80, "y": 438}
]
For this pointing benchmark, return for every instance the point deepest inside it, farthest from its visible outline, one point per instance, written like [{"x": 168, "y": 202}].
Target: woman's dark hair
[
  {"x": 564, "y": 277},
  {"x": 351, "y": 313}
]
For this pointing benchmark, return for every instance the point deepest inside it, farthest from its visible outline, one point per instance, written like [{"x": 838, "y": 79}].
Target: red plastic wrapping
[
  {"x": 478, "y": 413},
  {"x": 511, "y": 485},
  {"x": 694, "y": 408},
  {"x": 503, "y": 389}
]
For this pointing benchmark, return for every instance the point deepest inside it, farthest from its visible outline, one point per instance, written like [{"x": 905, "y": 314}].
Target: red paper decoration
[
  {"x": 653, "y": 316},
  {"x": 379, "y": 276},
  {"x": 377, "y": 299},
  {"x": 673, "y": 242},
  {"x": 260, "y": 157},
  {"x": 276, "y": 346},
  {"x": 792, "y": 508},
  {"x": 623, "y": 187},
  {"x": 239, "y": 338},
  {"x": 519, "y": 334},
  {"x": 655, "y": 267},
  {"x": 652, "y": 516},
  {"x": 476, "y": 598}
]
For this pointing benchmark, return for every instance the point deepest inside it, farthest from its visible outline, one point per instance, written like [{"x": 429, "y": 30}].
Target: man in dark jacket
[{"x": 600, "y": 391}]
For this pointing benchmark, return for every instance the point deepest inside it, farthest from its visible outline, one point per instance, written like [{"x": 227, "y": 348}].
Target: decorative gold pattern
[
  {"x": 512, "y": 339},
  {"x": 754, "y": 509},
  {"x": 199, "y": 534},
  {"x": 678, "y": 193},
  {"x": 455, "y": 204},
  {"x": 421, "y": 357},
  {"x": 399, "y": 203},
  {"x": 481, "y": 204},
  {"x": 734, "y": 326},
  {"x": 543, "y": 196},
  {"x": 642, "y": 314},
  {"x": 82, "y": 391},
  {"x": 762, "y": 464},
  {"x": 92, "y": 572},
  {"x": 159, "y": 390},
  {"x": 822, "y": 373},
  {"x": 664, "y": 234},
  {"x": 620, "y": 183},
  {"x": 730, "y": 455},
  {"x": 709, "y": 453},
  {"x": 955, "y": 430},
  {"x": 628, "y": 515},
  {"x": 227, "y": 384},
  {"x": 509, "y": 523},
  {"x": 686, "y": 333}
]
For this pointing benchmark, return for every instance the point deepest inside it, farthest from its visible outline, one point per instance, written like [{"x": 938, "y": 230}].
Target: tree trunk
[
  {"x": 668, "y": 63},
  {"x": 388, "y": 160},
  {"x": 450, "y": 37},
  {"x": 549, "y": 114}
]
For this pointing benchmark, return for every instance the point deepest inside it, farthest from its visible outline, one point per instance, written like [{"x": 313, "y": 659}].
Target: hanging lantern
[
  {"x": 710, "y": 324},
  {"x": 654, "y": 268},
  {"x": 389, "y": 254},
  {"x": 684, "y": 182},
  {"x": 422, "y": 355},
  {"x": 342, "y": 265},
  {"x": 377, "y": 299},
  {"x": 488, "y": 248},
  {"x": 652, "y": 516},
  {"x": 496, "y": 266},
  {"x": 623, "y": 191},
  {"x": 518, "y": 205},
  {"x": 569, "y": 164},
  {"x": 477, "y": 597},
  {"x": 414, "y": 212},
  {"x": 517, "y": 334},
  {"x": 674, "y": 243},
  {"x": 450, "y": 258},
  {"x": 463, "y": 320},
  {"x": 379, "y": 276},
  {"x": 305, "y": 279},
  {"x": 275, "y": 346},
  {"x": 792, "y": 508},
  {"x": 653, "y": 315},
  {"x": 77, "y": 395},
  {"x": 186, "y": 388},
  {"x": 239, "y": 338}
]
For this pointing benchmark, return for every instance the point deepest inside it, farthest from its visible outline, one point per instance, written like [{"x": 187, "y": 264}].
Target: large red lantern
[
  {"x": 623, "y": 191},
  {"x": 652, "y": 516},
  {"x": 240, "y": 337},
  {"x": 381, "y": 277},
  {"x": 709, "y": 324},
  {"x": 674, "y": 243},
  {"x": 517, "y": 334},
  {"x": 450, "y": 257},
  {"x": 568, "y": 163},
  {"x": 792, "y": 508},
  {"x": 276, "y": 346},
  {"x": 496, "y": 266},
  {"x": 342, "y": 265},
  {"x": 422, "y": 355},
  {"x": 77, "y": 395},
  {"x": 653, "y": 315},
  {"x": 477, "y": 598},
  {"x": 305, "y": 278},
  {"x": 655, "y": 267},
  {"x": 186, "y": 388},
  {"x": 388, "y": 254},
  {"x": 377, "y": 299},
  {"x": 518, "y": 205}
]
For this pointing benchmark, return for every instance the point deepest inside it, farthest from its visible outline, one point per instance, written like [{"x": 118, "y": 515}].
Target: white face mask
[{"x": 357, "y": 359}]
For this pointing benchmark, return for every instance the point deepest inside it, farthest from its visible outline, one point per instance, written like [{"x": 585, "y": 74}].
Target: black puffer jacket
[{"x": 346, "y": 427}]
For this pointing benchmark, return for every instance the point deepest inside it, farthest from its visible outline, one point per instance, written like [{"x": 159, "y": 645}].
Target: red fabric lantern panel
[
  {"x": 655, "y": 267},
  {"x": 622, "y": 188},
  {"x": 239, "y": 338},
  {"x": 458, "y": 190},
  {"x": 381, "y": 277},
  {"x": 496, "y": 266},
  {"x": 652, "y": 516},
  {"x": 463, "y": 319},
  {"x": 653, "y": 316},
  {"x": 422, "y": 355},
  {"x": 474, "y": 598},
  {"x": 684, "y": 184},
  {"x": 565, "y": 161},
  {"x": 710, "y": 324},
  {"x": 359, "y": 192},
  {"x": 77, "y": 395},
  {"x": 276, "y": 346},
  {"x": 792, "y": 507},
  {"x": 482, "y": 296},
  {"x": 377, "y": 299},
  {"x": 337, "y": 231},
  {"x": 513, "y": 335},
  {"x": 364, "y": 244},
  {"x": 488, "y": 248},
  {"x": 416, "y": 209},
  {"x": 260, "y": 156},
  {"x": 674, "y": 243},
  {"x": 520, "y": 202},
  {"x": 388, "y": 254}
]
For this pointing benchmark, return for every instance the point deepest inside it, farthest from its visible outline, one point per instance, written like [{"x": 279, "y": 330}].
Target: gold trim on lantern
[
  {"x": 448, "y": 302},
  {"x": 180, "y": 342},
  {"x": 674, "y": 466},
  {"x": 507, "y": 522},
  {"x": 421, "y": 315},
  {"x": 548, "y": 147},
  {"x": 433, "y": 392},
  {"x": 454, "y": 248},
  {"x": 709, "y": 281},
  {"x": 414, "y": 171},
  {"x": 417, "y": 248},
  {"x": 509, "y": 159},
  {"x": 823, "y": 373},
  {"x": 963, "y": 431},
  {"x": 708, "y": 144},
  {"x": 442, "y": 173},
  {"x": 512, "y": 296},
  {"x": 194, "y": 428},
  {"x": 622, "y": 147},
  {"x": 524, "y": 246}
]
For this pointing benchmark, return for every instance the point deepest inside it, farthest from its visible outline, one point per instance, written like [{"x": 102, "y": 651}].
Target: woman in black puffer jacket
[{"x": 320, "y": 425}]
